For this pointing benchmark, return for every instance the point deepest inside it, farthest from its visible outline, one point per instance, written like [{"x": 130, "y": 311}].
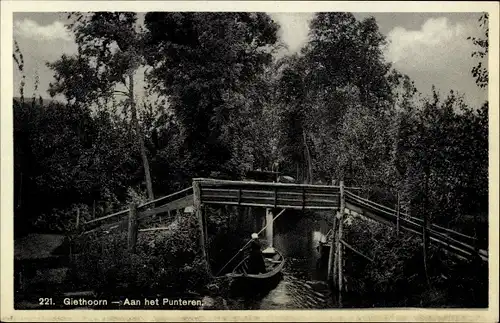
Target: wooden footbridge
[{"x": 206, "y": 191}]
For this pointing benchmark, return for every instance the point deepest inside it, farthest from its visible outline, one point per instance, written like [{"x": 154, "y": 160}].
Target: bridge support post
[
  {"x": 335, "y": 261},
  {"x": 331, "y": 257},
  {"x": 269, "y": 228},
  {"x": 198, "y": 212}
]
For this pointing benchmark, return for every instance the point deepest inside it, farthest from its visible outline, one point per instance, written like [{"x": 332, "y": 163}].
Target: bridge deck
[{"x": 269, "y": 195}]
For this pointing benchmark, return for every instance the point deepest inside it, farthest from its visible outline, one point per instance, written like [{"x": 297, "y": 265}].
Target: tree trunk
[
  {"x": 142, "y": 147},
  {"x": 308, "y": 159}
]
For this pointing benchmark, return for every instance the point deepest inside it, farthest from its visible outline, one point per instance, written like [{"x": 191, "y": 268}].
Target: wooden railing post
[
  {"x": 132, "y": 227},
  {"x": 198, "y": 212},
  {"x": 331, "y": 256},
  {"x": 339, "y": 245}
]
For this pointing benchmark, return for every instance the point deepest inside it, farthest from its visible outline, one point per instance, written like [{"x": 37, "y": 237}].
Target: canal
[{"x": 303, "y": 285}]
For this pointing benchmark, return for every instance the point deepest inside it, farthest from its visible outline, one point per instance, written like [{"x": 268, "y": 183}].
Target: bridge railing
[
  {"x": 450, "y": 240},
  {"x": 269, "y": 195},
  {"x": 119, "y": 220}
]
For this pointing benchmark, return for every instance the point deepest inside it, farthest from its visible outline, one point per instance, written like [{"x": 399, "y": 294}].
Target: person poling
[
  {"x": 256, "y": 264},
  {"x": 250, "y": 241}
]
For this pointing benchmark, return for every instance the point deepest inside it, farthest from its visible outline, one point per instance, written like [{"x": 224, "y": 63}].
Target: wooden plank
[
  {"x": 355, "y": 251},
  {"x": 369, "y": 214},
  {"x": 217, "y": 182},
  {"x": 166, "y": 198},
  {"x": 172, "y": 206},
  {"x": 122, "y": 212},
  {"x": 155, "y": 229},
  {"x": 375, "y": 208},
  {"x": 318, "y": 200},
  {"x": 103, "y": 227},
  {"x": 246, "y": 192},
  {"x": 386, "y": 208},
  {"x": 219, "y": 197},
  {"x": 215, "y": 191},
  {"x": 270, "y": 205}
]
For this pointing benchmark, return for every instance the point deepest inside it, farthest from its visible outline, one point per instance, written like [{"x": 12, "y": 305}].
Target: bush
[
  {"x": 164, "y": 262},
  {"x": 397, "y": 276}
]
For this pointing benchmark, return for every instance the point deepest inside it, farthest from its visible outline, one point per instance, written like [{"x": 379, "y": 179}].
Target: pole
[
  {"x": 132, "y": 227},
  {"x": 398, "y": 215},
  {"x": 201, "y": 223},
  {"x": 339, "y": 245}
]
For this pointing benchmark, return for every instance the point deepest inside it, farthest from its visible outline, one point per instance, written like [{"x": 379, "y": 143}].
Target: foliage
[
  {"x": 65, "y": 155},
  {"x": 164, "y": 263},
  {"x": 396, "y": 277},
  {"x": 444, "y": 146},
  {"x": 213, "y": 101},
  {"x": 480, "y": 72}
]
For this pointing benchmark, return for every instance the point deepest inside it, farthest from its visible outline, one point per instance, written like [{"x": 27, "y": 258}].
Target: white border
[{"x": 404, "y": 315}]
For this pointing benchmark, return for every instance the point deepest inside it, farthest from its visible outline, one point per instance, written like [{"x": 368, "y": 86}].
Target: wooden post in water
[
  {"x": 198, "y": 212},
  {"x": 132, "y": 227},
  {"x": 269, "y": 228},
  {"x": 339, "y": 245},
  {"x": 331, "y": 256}
]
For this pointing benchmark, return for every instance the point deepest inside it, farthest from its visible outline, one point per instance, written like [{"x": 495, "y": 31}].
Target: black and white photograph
[{"x": 245, "y": 159}]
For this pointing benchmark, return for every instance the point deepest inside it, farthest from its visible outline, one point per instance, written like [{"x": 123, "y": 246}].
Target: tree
[
  {"x": 208, "y": 65},
  {"x": 479, "y": 71},
  {"x": 330, "y": 91},
  {"x": 110, "y": 51}
]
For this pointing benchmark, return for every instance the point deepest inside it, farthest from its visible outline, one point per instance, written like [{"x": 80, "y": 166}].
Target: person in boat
[{"x": 256, "y": 263}]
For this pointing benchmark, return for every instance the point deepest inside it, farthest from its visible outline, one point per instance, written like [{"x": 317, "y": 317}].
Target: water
[{"x": 304, "y": 278}]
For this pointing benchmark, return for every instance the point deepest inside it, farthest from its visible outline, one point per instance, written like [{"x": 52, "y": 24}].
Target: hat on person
[{"x": 255, "y": 236}]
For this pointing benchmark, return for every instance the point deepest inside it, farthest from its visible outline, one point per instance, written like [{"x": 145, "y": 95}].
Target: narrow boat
[{"x": 274, "y": 262}]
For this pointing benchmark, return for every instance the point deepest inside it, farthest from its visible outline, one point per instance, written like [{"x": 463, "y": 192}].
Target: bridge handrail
[
  {"x": 407, "y": 225},
  {"x": 139, "y": 207},
  {"x": 405, "y": 215},
  {"x": 190, "y": 188},
  {"x": 212, "y": 181}
]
